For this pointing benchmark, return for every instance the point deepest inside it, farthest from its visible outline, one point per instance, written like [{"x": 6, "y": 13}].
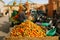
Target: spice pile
[{"x": 29, "y": 29}]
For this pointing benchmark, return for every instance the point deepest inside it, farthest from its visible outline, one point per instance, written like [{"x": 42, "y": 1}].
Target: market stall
[
  {"x": 29, "y": 31},
  {"x": 24, "y": 27}
]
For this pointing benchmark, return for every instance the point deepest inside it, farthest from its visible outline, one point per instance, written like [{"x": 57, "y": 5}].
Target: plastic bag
[
  {"x": 45, "y": 24},
  {"x": 51, "y": 32}
]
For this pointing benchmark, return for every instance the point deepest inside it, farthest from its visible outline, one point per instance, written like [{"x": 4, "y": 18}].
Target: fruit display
[{"x": 29, "y": 29}]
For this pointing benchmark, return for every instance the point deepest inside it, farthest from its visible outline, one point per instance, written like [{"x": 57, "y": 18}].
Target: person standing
[{"x": 21, "y": 14}]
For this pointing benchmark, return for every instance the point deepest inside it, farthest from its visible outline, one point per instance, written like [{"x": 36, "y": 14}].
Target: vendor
[
  {"x": 28, "y": 12},
  {"x": 21, "y": 14},
  {"x": 18, "y": 16},
  {"x": 27, "y": 5}
]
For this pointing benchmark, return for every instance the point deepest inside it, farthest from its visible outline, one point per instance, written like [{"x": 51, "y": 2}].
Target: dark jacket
[
  {"x": 21, "y": 17},
  {"x": 40, "y": 12},
  {"x": 14, "y": 13}
]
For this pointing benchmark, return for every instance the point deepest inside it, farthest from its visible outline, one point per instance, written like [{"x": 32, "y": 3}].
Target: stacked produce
[{"x": 29, "y": 29}]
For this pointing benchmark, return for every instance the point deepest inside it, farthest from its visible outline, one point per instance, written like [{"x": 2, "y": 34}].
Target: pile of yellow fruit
[{"x": 29, "y": 29}]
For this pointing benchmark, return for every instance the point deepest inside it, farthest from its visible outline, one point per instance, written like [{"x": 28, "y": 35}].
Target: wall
[{"x": 51, "y": 6}]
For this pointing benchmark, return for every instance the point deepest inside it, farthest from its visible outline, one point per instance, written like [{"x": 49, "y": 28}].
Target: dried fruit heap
[{"x": 29, "y": 29}]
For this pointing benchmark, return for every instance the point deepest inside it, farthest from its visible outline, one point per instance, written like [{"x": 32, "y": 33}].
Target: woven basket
[{"x": 31, "y": 38}]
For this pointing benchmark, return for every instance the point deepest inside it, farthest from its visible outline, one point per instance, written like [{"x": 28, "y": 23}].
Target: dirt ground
[{"x": 4, "y": 27}]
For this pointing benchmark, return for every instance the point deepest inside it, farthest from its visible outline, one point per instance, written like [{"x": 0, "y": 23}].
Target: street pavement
[{"x": 4, "y": 26}]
